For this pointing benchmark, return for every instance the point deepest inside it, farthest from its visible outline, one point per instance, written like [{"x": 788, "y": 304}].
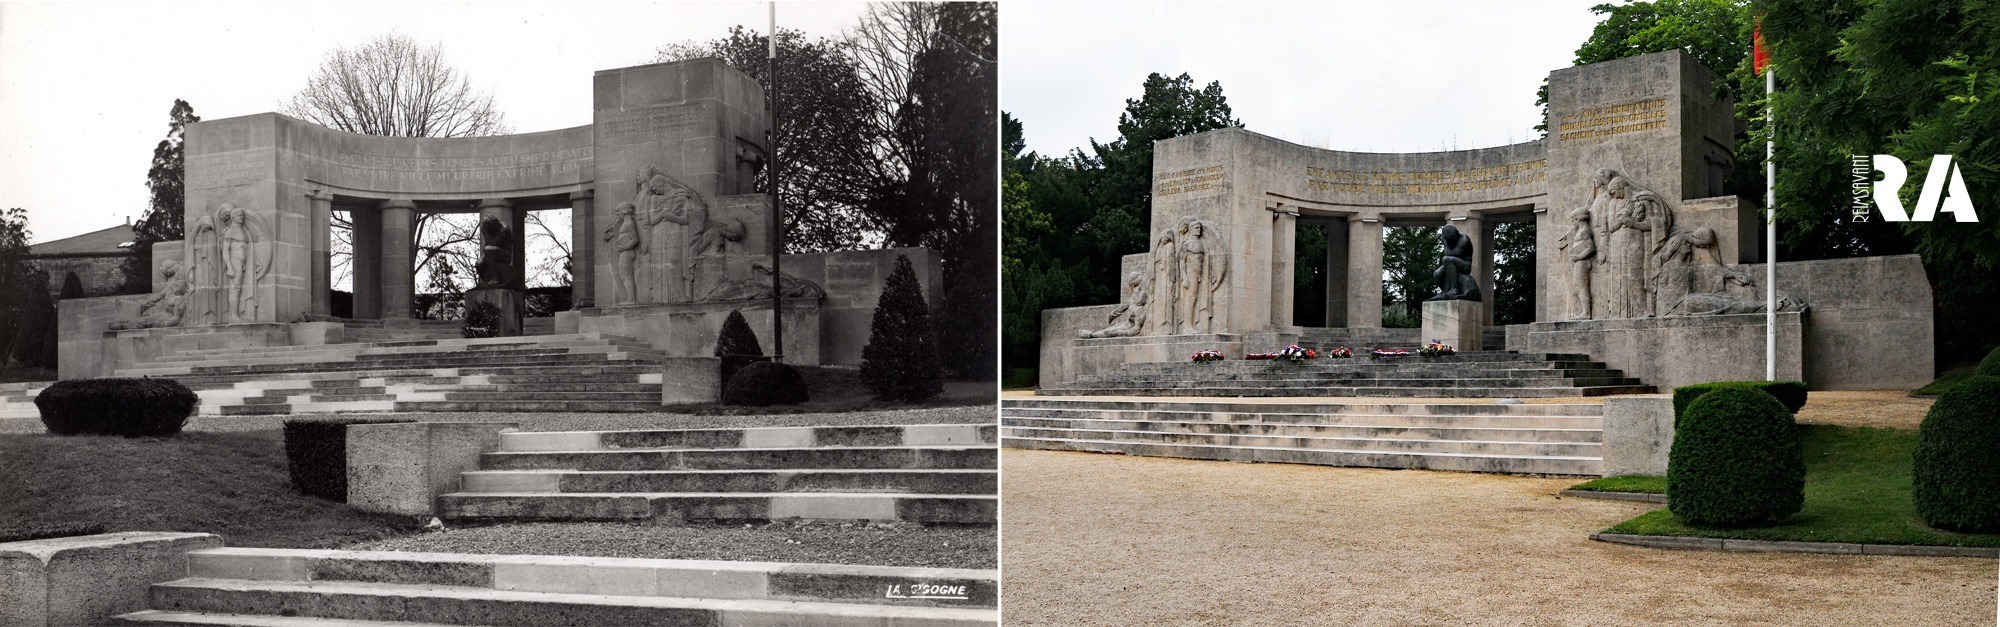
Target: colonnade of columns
[
  {"x": 1354, "y": 266},
  {"x": 384, "y": 249}
]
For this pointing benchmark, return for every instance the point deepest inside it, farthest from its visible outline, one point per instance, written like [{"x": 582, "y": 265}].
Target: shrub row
[
  {"x": 128, "y": 407},
  {"x": 316, "y": 449},
  {"x": 1736, "y": 460},
  {"x": 1791, "y": 393},
  {"x": 1955, "y": 470}
]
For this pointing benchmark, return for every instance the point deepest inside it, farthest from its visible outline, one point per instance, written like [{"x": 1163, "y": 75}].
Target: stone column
[
  {"x": 367, "y": 260},
  {"x": 583, "y": 249},
  {"x": 1284, "y": 256},
  {"x": 503, "y": 210},
  {"x": 1364, "y": 271},
  {"x": 398, "y": 278},
  {"x": 320, "y": 220},
  {"x": 1474, "y": 226},
  {"x": 1336, "y": 272}
]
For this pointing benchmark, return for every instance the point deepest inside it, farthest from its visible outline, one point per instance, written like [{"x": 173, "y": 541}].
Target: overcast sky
[
  {"x": 85, "y": 87},
  {"x": 1369, "y": 76}
]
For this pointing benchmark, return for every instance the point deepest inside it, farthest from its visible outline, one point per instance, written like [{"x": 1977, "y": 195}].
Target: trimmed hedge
[
  {"x": 737, "y": 345},
  {"x": 1990, "y": 366},
  {"x": 316, "y": 450},
  {"x": 128, "y": 407},
  {"x": 1736, "y": 460},
  {"x": 765, "y": 383},
  {"x": 46, "y": 531},
  {"x": 1955, "y": 471},
  {"x": 900, "y": 362},
  {"x": 1791, "y": 393}
]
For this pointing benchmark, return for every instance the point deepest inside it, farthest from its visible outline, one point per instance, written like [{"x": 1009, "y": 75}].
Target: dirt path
[{"x": 1092, "y": 539}]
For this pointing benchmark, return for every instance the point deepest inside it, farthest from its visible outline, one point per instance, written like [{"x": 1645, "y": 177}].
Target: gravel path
[
  {"x": 796, "y": 542},
  {"x": 558, "y": 421},
  {"x": 1892, "y": 409},
  {"x": 1095, "y": 539}
]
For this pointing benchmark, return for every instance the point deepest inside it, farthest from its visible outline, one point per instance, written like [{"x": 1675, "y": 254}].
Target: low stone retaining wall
[{"x": 85, "y": 580}]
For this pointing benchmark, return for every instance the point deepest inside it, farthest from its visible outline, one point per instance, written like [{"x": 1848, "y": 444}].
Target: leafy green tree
[
  {"x": 163, "y": 219},
  {"x": 1309, "y": 276},
  {"x": 27, "y": 314},
  {"x": 1513, "y": 272},
  {"x": 1410, "y": 256},
  {"x": 1901, "y": 77},
  {"x": 1167, "y": 108},
  {"x": 825, "y": 141}
]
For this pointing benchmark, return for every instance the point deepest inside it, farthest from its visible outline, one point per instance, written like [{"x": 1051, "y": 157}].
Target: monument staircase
[
  {"x": 1469, "y": 374},
  {"x": 932, "y": 474},
  {"x": 584, "y": 372},
  {"x": 376, "y": 331},
  {"x": 284, "y": 587},
  {"x": 1563, "y": 439}
]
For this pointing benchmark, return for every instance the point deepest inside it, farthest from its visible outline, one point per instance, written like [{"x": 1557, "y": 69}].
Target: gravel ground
[
  {"x": 1095, "y": 539},
  {"x": 537, "y": 421},
  {"x": 796, "y": 542},
  {"x": 1892, "y": 409}
]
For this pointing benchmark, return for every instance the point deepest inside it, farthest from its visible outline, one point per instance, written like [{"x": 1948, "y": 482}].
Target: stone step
[
  {"x": 885, "y": 457},
  {"x": 1324, "y": 420},
  {"x": 1251, "y": 407},
  {"x": 1372, "y": 459},
  {"x": 603, "y": 575},
  {"x": 466, "y": 605},
  {"x": 529, "y": 406},
  {"x": 284, "y": 366},
  {"x": 1543, "y": 369},
  {"x": 1406, "y": 392},
  {"x": 1397, "y": 431},
  {"x": 169, "y": 618},
  {"x": 676, "y": 507},
  {"x": 454, "y": 343},
  {"x": 953, "y": 481},
  {"x": 1368, "y": 444},
  {"x": 754, "y": 437},
  {"x": 1309, "y": 383}
]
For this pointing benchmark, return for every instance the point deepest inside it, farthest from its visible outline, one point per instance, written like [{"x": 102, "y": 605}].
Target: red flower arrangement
[{"x": 1206, "y": 355}]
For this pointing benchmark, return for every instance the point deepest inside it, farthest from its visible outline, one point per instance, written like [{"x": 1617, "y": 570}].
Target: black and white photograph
[{"x": 542, "y": 313}]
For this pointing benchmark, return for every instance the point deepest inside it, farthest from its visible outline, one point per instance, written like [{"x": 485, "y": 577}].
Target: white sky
[
  {"x": 85, "y": 87},
  {"x": 1368, "y": 76}
]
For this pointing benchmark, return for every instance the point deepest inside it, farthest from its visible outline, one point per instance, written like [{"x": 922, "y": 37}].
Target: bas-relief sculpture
[
  {"x": 1190, "y": 261},
  {"x": 1453, "y": 277},
  {"x": 228, "y": 254},
  {"x": 496, "y": 257},
  {"x": 1129, "y": 318},
  {"x": 1629, "y": 260},
  {"x": 670, "y": 231},
  {"x": 166, "y": 306}
]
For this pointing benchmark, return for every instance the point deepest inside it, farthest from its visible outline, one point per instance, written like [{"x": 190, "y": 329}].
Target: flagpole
[
  {"x": 1770, "y": 226},
  {"x": 777, "y": 213}
]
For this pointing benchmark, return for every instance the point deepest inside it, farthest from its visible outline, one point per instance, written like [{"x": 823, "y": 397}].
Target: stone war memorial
[
  {"x": 1647, "y": 276},
  {"x": 474, "y": 432},
  {"x": 667, "y": 234}
]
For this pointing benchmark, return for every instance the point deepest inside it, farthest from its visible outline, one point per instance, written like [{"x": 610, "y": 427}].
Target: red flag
[{"x": 1758, "y": 56}]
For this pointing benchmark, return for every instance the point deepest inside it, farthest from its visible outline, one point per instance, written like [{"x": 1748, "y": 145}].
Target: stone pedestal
[
  {"x": 690, "y": 380},
  {"x": 1457, "y": 323},
  {"x": 401, "y": 468},
  {"x": 509, "y": 302}
]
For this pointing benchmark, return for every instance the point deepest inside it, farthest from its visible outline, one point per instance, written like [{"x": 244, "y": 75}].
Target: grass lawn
[
  {"x": 1646, "y": 485},
  {"x": 1950, "y": 378},
  {"x": 231, "y": 484},
  {"x": 1857, "y": 490}
]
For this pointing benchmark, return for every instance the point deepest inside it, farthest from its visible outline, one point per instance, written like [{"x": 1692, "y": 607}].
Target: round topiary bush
[
  {"x": 1955, "y": 471},
  {"x": 1736, "y": 460},
  {"x": 765, "y": 383},
  {"x": 1990, "y": 366},
  {"x": 129, "y": 407}
]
